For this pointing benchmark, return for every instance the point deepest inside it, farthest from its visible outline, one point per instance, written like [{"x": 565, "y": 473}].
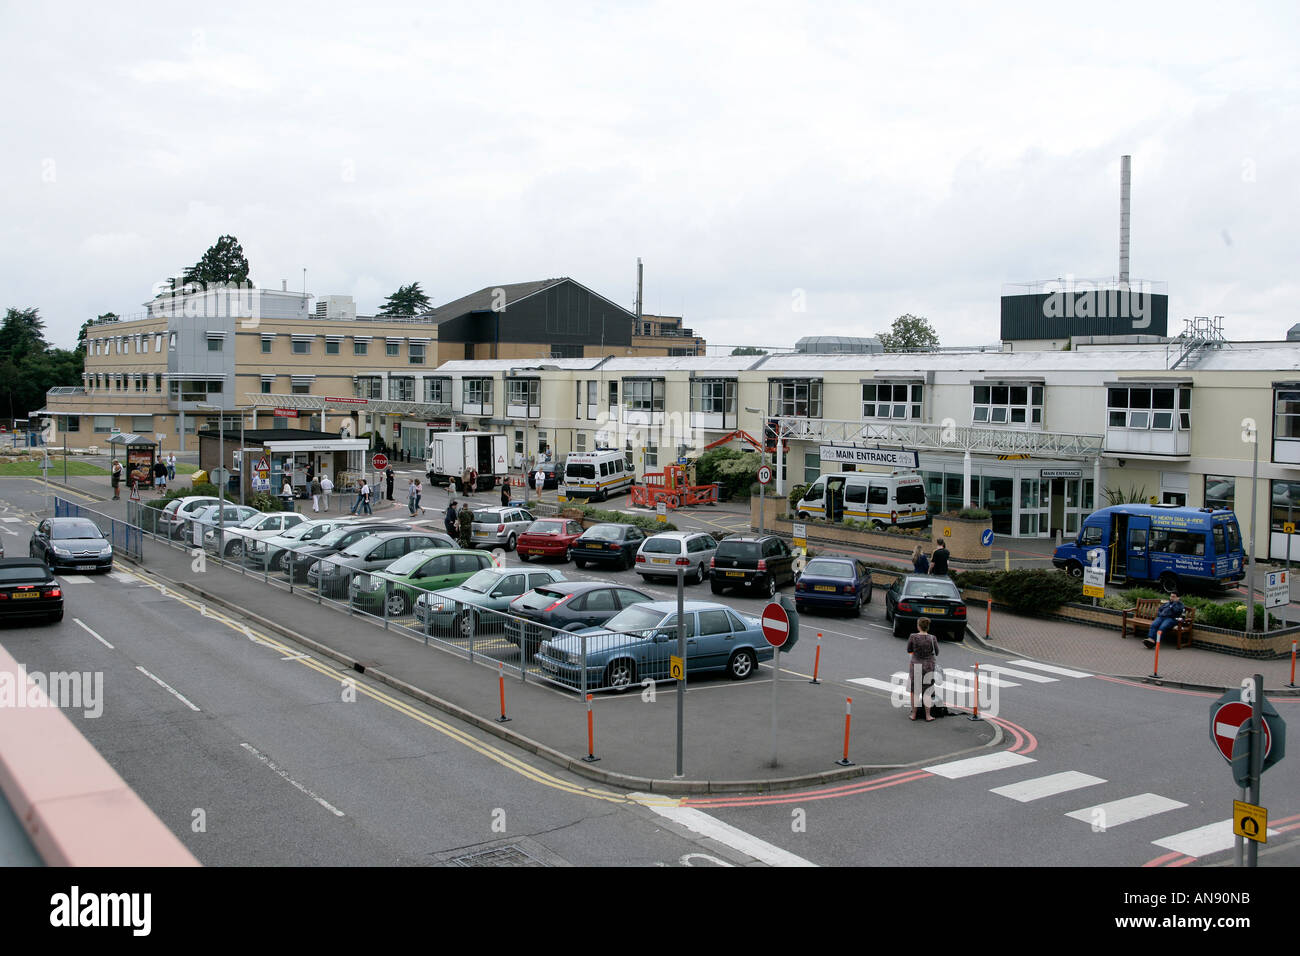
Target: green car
[{"x": 427, "y": 570}]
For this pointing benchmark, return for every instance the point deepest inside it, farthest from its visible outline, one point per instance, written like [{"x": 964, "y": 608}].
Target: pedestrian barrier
[{"x": 126, "y": 539}]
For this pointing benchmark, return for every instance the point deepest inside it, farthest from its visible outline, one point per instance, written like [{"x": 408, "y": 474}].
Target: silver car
[
  {"x": 272, "y": 551},
  {"x": 499, "y": 527},
  {"x": 205, "y": 519},
  {"x": 660, "y": 555},
  {"x": 233, "y": 542}
]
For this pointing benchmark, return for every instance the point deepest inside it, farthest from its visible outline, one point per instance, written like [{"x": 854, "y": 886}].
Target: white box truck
[{"x": 451, "y": 453}]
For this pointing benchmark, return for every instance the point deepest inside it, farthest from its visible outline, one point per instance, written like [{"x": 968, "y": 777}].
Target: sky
[{"x": 782, "y": 169}]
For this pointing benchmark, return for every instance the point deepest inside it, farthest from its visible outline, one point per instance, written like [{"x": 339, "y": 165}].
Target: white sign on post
[
  {"x": 1277, "y": 591},
  {"x": 884, "y": 457},
  {"x": 1094, "y": 582}
]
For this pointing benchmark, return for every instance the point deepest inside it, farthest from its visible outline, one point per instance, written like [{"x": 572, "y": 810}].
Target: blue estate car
[
  {"x": 833, "y": 581},
  {"x": 635, "y": 645}
]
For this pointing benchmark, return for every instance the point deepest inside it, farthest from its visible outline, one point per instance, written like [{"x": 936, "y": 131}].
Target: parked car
[
  {"x": 499, "y": 527},
  {"x": 759, "y": 564},
  {"x": 297, "y": 564},
  {"x": 833, "y": 581},
  {"x": 177, "y": 511},
  {"x": 271, "y": 552},
  {"x": 401, "y": 582},
  {"x": 28, "y": 589},
  {"x": 636, "y": 644},
  {"x": 205, "y": 519},
  {"x": 73, "y": 544},
  {"x": 549, "y": 538},
  {"x": 566, "y": 606},
  {"x": 492, "y": 589},
  {"x": 608, "y": 543},
  {"x": 925, "y": 595},
  {"x": 660, "y": 555},
  {"x": 234, "y": 540},
  {"x": 333, "y": 575}
]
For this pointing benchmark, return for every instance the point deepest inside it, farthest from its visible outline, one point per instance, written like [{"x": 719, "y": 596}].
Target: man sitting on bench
[{"x": 1168, "y": 615}]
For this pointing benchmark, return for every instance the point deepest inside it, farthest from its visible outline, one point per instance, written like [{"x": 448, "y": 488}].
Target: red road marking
[
  {"x": 806, "y": 795},
  {"x": 1160, "y": 860}
]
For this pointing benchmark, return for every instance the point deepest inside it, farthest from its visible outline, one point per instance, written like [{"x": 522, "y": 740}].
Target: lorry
[{"x": 450, "y": 454}]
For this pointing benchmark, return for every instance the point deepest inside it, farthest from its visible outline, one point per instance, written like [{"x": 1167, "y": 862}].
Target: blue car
[
  {"x": 635, "y": 645},
  {"x": 837, "y": 582}
]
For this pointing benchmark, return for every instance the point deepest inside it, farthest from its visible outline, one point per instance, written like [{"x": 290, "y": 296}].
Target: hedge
[{"x": 646, "y": 523}]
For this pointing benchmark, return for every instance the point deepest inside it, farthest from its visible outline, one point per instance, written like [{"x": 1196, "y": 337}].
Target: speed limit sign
[{"x": 764, "y": 475}]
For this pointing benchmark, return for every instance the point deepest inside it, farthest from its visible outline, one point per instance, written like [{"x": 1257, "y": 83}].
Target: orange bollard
[
  {"x": 1155, "y": 671},
  {"x": 1292, "y": 684},
  {"x": 988, "y": 617},
  {"x": 975, "y": 714},
  {"x": 591, "y": 735},
  {"x": 848, "y": 719},
  {"x": 818, "y": 659},
  {"x": 501, "y": 678}
]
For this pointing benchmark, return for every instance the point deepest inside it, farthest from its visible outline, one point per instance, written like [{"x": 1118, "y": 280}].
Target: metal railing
[{"x": 125, "y": 538}]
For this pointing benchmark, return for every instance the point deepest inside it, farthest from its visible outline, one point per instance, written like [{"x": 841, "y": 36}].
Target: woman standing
[
  {"x": 419, "y": 493},
  {"x": 315, "y": 494},
  {"x": 410, "y": 497},
  {"x": 920, "y": 563},
  {"x": 924, "y": 648}
]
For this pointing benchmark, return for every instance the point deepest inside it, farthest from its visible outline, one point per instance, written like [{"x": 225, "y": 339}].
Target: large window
[
  {"x": 798, "y": 397},
  {"x": 477, "y": 391},
  {"x": 1221, "y": 492},
  {"x": 331, "y": 346},
  {"x": 194, "y": 390},
  {"x": 715, "y": 396},
  {"x": 104, "y": 423},
  {"x": 566, "y": 351},
  {"x": 1286, "y": 502},
  {"x": 142, "y": 424},
  {"x": 523, "y": 391},
  {"x": 266, "y": 345},
  {"x": 1007, "y": 405},
  {"x": 812, "y": 466},
  {"x": 360, "y": 347},
  {"x": 643, "y": 394},
  {"x": 437, "y": 390},
  {"x": 890, "y": 400},
  {"x": 391, "y": 349},
  {"x": 370, "y": 386},
  {"x": 73, "y": 423},
  {"x": 302, "y": 346},
  {"x": 1144, "y": 406},
  {"x": 415, "y": 351},
  {"x": 402, "y": 388}
]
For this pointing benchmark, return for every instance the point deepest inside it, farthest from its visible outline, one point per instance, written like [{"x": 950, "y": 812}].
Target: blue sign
[
  {"x": 681, "y": 461},
  {"x": 986, "y": 538}
]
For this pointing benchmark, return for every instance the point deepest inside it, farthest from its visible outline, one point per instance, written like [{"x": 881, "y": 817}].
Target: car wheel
[
  {"x": 580, "y": 564},
  {"x": 525, "y": 557},
  {"x": 235, "y": 549},
  {"x": 1169, "y": 581},
  {"x": 510, "y": 543},
  {"x": 716, "y": 587},
  {"x": 770, "y": 590},
  {"x": 889, "y": 615},
  {"x": 398, "y": 604},
  {"x": 857, "y": 606},
  {"x": 742, "y": 664},
  {"x": 568, "y": 554},
  {"x": 623, "y": 563},
  {"x": 699, "y": 575},
  {"x": 277, "y": 563},
  {"x": 900, "y": 629},
  {"x": 620, "y": 675},
  {"x": 1074, "y": 568}
]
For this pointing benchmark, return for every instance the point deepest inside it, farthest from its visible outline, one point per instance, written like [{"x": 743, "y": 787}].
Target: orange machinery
[{"x": 670, "y": 487}]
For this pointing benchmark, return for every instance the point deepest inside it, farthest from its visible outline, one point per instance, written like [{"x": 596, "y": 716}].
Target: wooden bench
[{"x": 1139, "y": 620}]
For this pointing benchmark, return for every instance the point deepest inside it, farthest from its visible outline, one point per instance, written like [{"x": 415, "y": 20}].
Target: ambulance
[
  {"x": 884, "y": 500},
  {"x": 596, "y": 474}
]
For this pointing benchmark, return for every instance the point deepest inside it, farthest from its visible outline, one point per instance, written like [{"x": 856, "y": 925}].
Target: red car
[{"x": 548, "y": 538}]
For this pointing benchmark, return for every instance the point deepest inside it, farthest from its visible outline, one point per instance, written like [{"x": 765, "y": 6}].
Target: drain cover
[{"x": 509, "y": 855}]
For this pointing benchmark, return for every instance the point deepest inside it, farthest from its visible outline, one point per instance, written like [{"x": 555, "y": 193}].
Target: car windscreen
[
  {"x": 580, "y": 470},
  {"x": 545, "y": 527},
  {"x": 738, "y": 549},
  {"x": 932, "y": 588},
  {"x": 840, "y": 570},
  {"x": 911, "y": 494},
  {"x": 635, "y": 618},
  {"x": 483, "y": 582},
  {"x": 64, "y": 530},
  {"x": 359, "y": 548},
  {"x": 335, "y": 536},
  {"x": 253, "y": 520},
  {"x": 604, "y": 532},
  {"x": 662, "y": 546},
  {"x": 23, "y": 575},
  {"x": 298, "y": 530}
]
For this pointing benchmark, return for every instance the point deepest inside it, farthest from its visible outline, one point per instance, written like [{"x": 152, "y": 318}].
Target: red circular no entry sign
[
  {"x": 776, "y": 624},
  {"x": 1227, "y": 722}
]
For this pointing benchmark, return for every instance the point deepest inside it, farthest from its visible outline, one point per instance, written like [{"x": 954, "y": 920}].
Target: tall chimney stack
[
  {"x": 638, "y": 293},
  {"x": 1125, "y": 182}
]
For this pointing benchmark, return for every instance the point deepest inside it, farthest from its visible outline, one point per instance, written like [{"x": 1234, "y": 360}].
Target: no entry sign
[
  {"x": 1225, "y": 723},
  {"x": 380, "y": 461},
  {"x": 776, "y": 624}
]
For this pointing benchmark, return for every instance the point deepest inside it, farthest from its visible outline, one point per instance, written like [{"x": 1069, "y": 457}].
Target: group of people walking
[{"x": 935, "y": 563}]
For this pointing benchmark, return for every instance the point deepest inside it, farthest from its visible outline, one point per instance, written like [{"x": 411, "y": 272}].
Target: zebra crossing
[{"x": 957, "y": 685}]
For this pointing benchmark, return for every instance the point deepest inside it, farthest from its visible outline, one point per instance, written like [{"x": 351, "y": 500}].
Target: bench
[{"x": 1139, "y": 620}]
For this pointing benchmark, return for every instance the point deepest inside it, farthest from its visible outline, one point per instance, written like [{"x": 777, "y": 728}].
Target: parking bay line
[{"x": 700, "y": 822}]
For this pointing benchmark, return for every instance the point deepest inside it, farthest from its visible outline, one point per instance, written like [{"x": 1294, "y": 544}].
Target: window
[
  {"x": 716, "y": 396},
  {"x": 1286, "y": 502},
  {"x": 477, "y": 391},
  {"x": 651, "y": 456},
  {"x": 157, "y": 382},
  {"x": 360, "y": 347},
  {"x": 104, "y": 423},
  {"x": 369, "y": 386},
  {"x": 402, "y": 388},
  {"x": 1145, "y": 407},
  {"x": 519, "y": 441},
  {"x": 266, "y": 346},
  {"x": 613, "y": 397},
  {"x": 812, "y": 466},
  {"x": 300, "y": 388},
  {"x": 798, "y": 397},
  {"x": 437, "y": 390},
  {"x": 391, "y": 349},
  {"x": 1008, "y": 404},
  {"x": 142, "y": 424},
  {"x": 331, "y": 346},
  {"x": 581, "y": 441},
  {"x": 523, "y": 391},
  {"x": 266, "y": 388},
  {"x": 415, "y": 353},
  {"x": 894, "y": 401},
  {"x": 302, "y": 346},
  {"x": 73, "y": 423},
  {"x": 643, "y": 394},
  {"x": 215, "y": 344},
  {"x": 566, "y": 351},
  {"x": 1220, "y": 492},
  {"x": 194, "y": 390}
]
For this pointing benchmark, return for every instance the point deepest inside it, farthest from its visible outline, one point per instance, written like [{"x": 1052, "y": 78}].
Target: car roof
[
  {"x": 676, "y": 535},
  {"x": 22, "y": 563},
  {"x": 692, "y": 606},
  {"x": 580, "y": 587},
  {"x": 731, "y": 538}
]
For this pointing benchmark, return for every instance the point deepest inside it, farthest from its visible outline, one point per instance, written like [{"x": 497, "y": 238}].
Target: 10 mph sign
[{"x": 765, "y": 475}]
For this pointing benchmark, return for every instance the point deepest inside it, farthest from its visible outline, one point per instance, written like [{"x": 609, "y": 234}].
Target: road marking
[
  {"x": 8, "y": 520},
  {"x": 1112, "y": 814},
  {"x": 78, "y": 620},
  {"x": 74, "y": 579},
  {"x": 1051, "y": 669},
  {"x": 1049, "y": 786},
  {"x": 957, "y": 679},
  {"x": 167, "y": 687},
  {"x": 1211, "y": 838},
  {"x": 123, "y": 577},
  {"x": 283, "y": 774},
  {"x": 1023, "y": 675},
  {"x": 700, "y": 822},
  {"x": 877, "y": 684},
  {"x": 976, "y": 765}
]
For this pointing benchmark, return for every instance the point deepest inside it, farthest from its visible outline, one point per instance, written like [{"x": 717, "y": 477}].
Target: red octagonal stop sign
[
  {"x": 1227, "y": 721},
  {"x": 380, "y": 461},
  {"x": 776, "y": 624}
]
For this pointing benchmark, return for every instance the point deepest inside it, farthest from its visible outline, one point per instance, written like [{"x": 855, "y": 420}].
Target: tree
[
  {"x": 22, "y": 334},
  {"x": 29, "y": 367},
  {"x": 748, "y": 350},
  {"x": 89, "y": 324},
  {"x": 224, "y": 262},
  {"x": 910, "y": 333},
  {"x": 407, "y": 300}
]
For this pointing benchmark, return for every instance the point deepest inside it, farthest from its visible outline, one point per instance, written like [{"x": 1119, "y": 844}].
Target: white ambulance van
[
  {"x": 596, "y": 474},
  {"x": 884, "y": 500}
]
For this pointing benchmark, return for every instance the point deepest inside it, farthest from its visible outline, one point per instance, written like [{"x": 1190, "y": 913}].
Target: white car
[
  {"x": 273, "y": 550},
  {"x": 660, "y": 555},
  {"x": 177, "y": 511},
  {"x": 236, "y": 539}
]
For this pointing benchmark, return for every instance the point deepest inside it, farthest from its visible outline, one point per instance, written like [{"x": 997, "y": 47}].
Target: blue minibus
[{"x": 1163, "y": 543}]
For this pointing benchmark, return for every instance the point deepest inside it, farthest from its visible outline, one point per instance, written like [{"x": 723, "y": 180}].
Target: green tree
[
  {"x": 748, "y": 350},
  {"x": 223, "y": 262},
  {"x": 407, "y": 300},
  {"x": 910, "y": 333},
  {"x": 91, "y": 323},
  {"x": 22, "y": 333},
  {"x": 29, "y": 367}
]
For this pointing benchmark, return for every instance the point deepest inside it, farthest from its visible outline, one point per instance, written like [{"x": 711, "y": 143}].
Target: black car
[
  {"x": 301, "y": 559},
  {"x": 28, "y": 589},
  {"x": 548, "y": 469},
  {"x": 566, "y": 606},
  {"x": 926, "y": 595},
  {"x": 73, "y": 544},
  {"x": 608, "y": 543},
  {"x": 759, "y": 564}
]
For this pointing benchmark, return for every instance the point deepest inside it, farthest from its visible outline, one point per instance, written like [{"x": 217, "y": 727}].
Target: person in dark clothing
[
  {"x": 939, "y": 560},
  {"x": 389, "y": 478},
  {"x": 449, "y": 521},
  {"x": 505, "y": 494},
  {"x": 116, "y": 479},
  {"x": 1167, "y": 616},
  {"x": 920, "y": 563}
]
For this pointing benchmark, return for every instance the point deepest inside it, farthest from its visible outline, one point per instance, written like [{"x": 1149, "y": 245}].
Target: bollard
[
  {"x": 848, "y": 719},
  {"x": 975, "y": 714},
  {"x": 817, "y": 659},
  {"x": 1006, "y": 555},
  {"x": 988, "y": 616},
  {"x": 501, "y": 681},
  {"x": 1155, "y": 672},
  {"x": 1292, "y": 683},
  {"x": 591, "y": 735}
]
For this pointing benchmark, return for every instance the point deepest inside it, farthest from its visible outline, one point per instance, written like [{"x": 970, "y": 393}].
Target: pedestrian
[
  {"x": 160, "y": 476},
  {"x": 366, "y": 493},
  {"x": 356, "y": 505},
  {"x": 939, "y": 560},
  {"x": 286, "y": 495},
  {"x": 1167, "y": 616},
  {"x": 171, "y": 467},
  {"x": 539, "y": 481},
  {"x": 389, "y": 478},
  {"x": 464, "y": 482},
  {"x": 326, "y": 486},
  {"x": 924, "y": 648},
  {"x": 315, "y": 494},
  {"x": 450, "y": 520},
  {"x": 464, "y": 524},
  {"x": 410, "y": 496},
  {"x": 473, "y": 479},
  {"x": 920, "y": 563},
  {"x": 115, "y": 479},
  {"x": 419, "y": 493},
  {"x": 505, "y": 493}
]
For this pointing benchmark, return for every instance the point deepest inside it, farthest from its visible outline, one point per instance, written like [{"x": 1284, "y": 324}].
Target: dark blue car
[{"x": 837, "y": 582}]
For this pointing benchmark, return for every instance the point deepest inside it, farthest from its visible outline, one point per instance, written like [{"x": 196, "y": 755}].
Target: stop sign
[
  {"x": 380, "y": 461},
  {"x": 776, "y": 624},
  {"x": 1225, "y": 723}
]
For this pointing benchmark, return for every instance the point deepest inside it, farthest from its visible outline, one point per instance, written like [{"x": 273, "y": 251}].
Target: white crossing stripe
[
  {"x": 878, "y": 684},
  {"x": 8, "y": 520},
  {"x": 1051, "y": 669},
  {"x": 74, "y": 579},
  {"x": 1211, "y": 838},
  {"x": 976, "y": 765},
  {"x": 1107, "y": 815},
  {"x": 1023, "y": 675},
  {"x": 123, "y": 577},
  {"x": 715, "y": 829},
  {"x": 953, "y": 679},
  {"x": 1049, "y": 786}
]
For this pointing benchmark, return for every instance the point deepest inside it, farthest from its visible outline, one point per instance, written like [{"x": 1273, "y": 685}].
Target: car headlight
[
  {"x": 573, "y": 657},
  {"x": 106, "y": 549},
  {"x": 374, "y": 584},
  {"x": 61, "y": 552}
]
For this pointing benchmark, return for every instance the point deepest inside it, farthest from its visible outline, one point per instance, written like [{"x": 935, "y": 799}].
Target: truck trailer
[{"x": 450, "y": 454}]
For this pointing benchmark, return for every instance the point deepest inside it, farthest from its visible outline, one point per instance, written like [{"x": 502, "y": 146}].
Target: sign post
[
  {"x": 776, "y": 628},
  {"x": 1251, "y": 735},
  {"x": 1277, "y": 591},
  {"x": 681, "y": 659},
  {"x": 800, "y": 534},
  {"x": 764, "y": 479}
]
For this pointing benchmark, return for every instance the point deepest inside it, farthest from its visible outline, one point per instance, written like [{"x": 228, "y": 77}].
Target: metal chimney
[
  {"x": 1125, "y": 181},
  {"x": 638, "y": 294}
]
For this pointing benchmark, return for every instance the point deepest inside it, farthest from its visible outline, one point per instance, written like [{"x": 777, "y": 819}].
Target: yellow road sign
[
  {"x": 1288, "y": 527},
  {"x": 676, "y": 668},
  {"x": 1091, "y": 590},
  {"x": 1250, "y": 821}
]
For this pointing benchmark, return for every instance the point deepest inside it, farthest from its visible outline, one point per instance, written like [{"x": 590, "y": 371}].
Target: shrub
[
  {"x": 976, "y": 579},
  {"x": 796, "y": 494},
  {"x": 647, "y": 523},
  {"x": 265, "y": 501},
  {"x": 974, "y": 514},
  {"x": 1029, "y": 589},
  {"x": 732, "y": 470}
]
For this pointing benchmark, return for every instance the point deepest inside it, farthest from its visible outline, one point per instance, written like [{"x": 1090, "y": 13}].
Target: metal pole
[
  {"x": 243, "y": 465},
  {"x": 760, "y": 506},
  {"x": 1250, "y": 575},
  {"x": 776, "y": 679},
  {"x": 65, "y": 457},
  {"x": 1239, "y": 851},
  {"x": 1256, "y": 759},
  {"x": 1287, "y": 605},
  {"x": 681, "y": 684}
]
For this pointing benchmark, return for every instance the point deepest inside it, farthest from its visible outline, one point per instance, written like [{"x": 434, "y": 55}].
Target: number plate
[
  {"x": 659, "y": 560},
  {"x": 18, "y": 596},
  {"x": 825, "y": 587},
  {"x": 480, "y": 534},
  {"x": 85, "y": 567},
  {"x": 536, "y": 551},
  {"x": 735, "y": 574},
  {"x": 934, "y": 610}
]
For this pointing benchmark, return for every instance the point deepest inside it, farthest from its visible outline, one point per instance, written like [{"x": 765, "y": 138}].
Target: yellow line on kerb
[{"x": 496, "y": 754}]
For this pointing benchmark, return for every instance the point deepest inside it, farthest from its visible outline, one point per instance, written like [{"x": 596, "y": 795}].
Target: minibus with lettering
[
  {"x": 884, "y": 500},
  {"x": 596, "y": 474}
]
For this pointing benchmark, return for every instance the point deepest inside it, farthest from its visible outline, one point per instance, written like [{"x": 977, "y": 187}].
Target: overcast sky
[{"x": 867, "y": 160}]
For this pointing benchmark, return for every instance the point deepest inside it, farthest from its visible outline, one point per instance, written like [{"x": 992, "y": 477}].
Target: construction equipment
[{"x": 669, "y": 486}]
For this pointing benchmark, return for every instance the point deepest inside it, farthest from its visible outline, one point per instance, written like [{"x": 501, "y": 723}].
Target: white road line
[
  {"x": 78, "y": 620},
  {"x": 167, "y": 687},
  {"x": 1023, "y": 675},
  {"x": 285, "y": 776},
  {"x": 699, "y": 822},
  {"x": 1051, "y": 669},
  {"x": 74, "y": 579},
  {"x": 878, "y": 684},
  {"x": 123, "y": 577},
  {"x": 967, "y": 678},
  {"x": 1107, "y": 815},
  {"x": 1211, "y": 838},
  {"x": 8, "y": 520},
  {"x": 976, "y": 765},
  {"x": 1049, "y": 786}
]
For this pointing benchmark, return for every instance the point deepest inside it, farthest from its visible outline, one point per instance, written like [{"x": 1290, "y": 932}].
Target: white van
[
  {"x": 596, "y": 474},
  {"x": 883, "y": 500}
]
